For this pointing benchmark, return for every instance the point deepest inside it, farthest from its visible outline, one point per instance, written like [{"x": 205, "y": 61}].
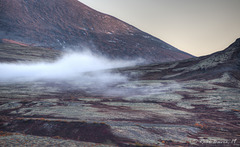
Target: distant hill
[
  {"x": 59, "y": 23},
  {"x": 224, "y": 64}
]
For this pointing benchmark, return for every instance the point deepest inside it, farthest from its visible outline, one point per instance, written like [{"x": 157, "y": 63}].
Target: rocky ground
[{"x": 188, "y": 103}]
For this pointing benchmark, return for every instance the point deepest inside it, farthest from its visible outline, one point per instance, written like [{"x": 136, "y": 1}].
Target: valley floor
[
  {"x": 193, "y": 102},
  {"x": 149, "y": 112}
]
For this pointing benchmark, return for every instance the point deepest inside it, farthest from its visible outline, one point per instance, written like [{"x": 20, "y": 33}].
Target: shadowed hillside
[
  {"x": 59, "y": 23},
  {"x": 205, "y": 67}
]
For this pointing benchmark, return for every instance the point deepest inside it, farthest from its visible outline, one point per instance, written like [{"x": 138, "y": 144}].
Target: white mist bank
[{"x": 73, "y": 66}]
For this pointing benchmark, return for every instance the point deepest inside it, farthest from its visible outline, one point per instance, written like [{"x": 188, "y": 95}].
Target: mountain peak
[{"x": 60, "y": 23}]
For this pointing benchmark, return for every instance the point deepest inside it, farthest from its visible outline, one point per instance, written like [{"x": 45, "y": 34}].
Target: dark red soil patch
[
  {"x": 173, "y": 106},
  {"x": 14, "y": 42},
  {"x": 80, "y": 131},
  {"x": 186, "y": 94},
  {"x": 229, "y": 85}
]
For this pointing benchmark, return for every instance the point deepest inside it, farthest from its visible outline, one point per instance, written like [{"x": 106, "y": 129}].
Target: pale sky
[{"x": 199, "y": 27}]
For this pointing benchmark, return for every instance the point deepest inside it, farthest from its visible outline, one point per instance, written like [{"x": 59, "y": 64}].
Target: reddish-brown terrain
[
  {"x": 60, "y": 23},
  {"x": 193, "y": 102}
]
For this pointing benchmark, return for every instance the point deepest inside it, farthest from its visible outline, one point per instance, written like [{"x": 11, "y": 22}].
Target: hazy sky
[{"x": 199, "y": 27}]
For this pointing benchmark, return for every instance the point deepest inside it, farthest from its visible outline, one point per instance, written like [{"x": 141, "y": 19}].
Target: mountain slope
[
  {"x": 206, "y": 67},
  {"x": 12, "y": 53},
  {"x": 59, "y": 23}
]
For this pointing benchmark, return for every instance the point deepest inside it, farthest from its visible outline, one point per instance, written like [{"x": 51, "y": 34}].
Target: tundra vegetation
[{"x": 186, "y": 103}]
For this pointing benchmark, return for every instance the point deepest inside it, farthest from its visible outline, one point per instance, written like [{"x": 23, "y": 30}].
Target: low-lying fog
[{"x": 80, "y": 67}]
